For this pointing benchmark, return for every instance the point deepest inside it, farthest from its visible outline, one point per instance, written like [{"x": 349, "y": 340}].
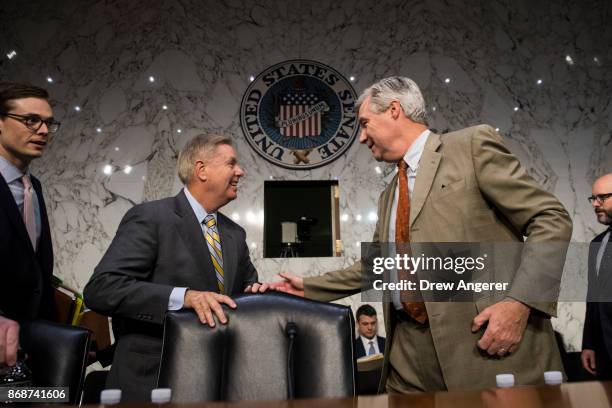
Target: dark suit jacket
[
  {"x": 25, "y": 275},
  {"x": 360, "y": 350},
  {"x": 597, "y": 334},
  {"x": 159, "y": 245}
]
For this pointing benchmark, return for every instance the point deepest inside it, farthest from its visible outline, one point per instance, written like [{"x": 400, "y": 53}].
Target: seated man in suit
[
  {"x": 26, "y": 123},
  {"x": 368, "y": 342},
  {"x": 169, "y": 254}
]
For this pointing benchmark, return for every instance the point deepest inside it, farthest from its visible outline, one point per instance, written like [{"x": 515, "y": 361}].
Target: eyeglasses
[
  {"x": 34, "y": 122},
  {"x": 600, "y": 198}
]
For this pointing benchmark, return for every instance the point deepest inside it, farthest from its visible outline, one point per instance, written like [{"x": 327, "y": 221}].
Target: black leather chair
[
  {"x": 57, "y": 355},
  {"x": 247, "y": 359}
]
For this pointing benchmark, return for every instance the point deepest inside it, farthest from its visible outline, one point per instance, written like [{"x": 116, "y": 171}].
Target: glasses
[
  {"x": 34, "y": 122},
  {"x": 600, "y": 198}
]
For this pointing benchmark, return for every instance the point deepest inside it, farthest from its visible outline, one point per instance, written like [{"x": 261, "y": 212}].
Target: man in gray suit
[
  {"x": 169, "y": 254},
  {"x": 463, "y": 186}
]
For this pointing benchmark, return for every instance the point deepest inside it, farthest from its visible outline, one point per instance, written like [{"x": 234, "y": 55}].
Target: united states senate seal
[{"x": 299, "y": 114}]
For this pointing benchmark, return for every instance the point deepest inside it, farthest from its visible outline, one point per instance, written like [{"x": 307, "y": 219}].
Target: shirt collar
[
  {"x": 197, "y": 208},
  {"x": 414, "y": 153},
  {"x": 9, "y": 171},
  {"x": 366, "y": 340}
]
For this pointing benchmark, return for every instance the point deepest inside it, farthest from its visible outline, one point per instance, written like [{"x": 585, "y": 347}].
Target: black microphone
[{"x": 291, "y": 330}]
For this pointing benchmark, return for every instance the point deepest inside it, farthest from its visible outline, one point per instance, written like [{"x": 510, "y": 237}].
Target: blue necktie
[{"x": 371, "y": 350}]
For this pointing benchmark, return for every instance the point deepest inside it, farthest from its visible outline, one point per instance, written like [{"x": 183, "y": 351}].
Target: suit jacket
[
  {"x": 360, "y": 350},
  {"x": 470, "y": 188},
  {"x": 159, "y": 245},
  {"x": 597, "y": 333},
  {"x": 25, "y": 275}
]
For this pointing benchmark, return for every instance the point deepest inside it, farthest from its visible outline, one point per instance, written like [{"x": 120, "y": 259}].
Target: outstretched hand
[{"x": 291, "y": 284}]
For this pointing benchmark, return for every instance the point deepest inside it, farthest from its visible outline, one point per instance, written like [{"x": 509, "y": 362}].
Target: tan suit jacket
[{"x": 470, "y": 188}]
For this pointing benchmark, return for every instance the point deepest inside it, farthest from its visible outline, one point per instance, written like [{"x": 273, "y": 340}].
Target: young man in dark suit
[
  {"x": 170, "y": 254},
  {"x": 368, "y": 342},
  {"x": 597, "y": 335},
  {"x": 26, "y": 121}
]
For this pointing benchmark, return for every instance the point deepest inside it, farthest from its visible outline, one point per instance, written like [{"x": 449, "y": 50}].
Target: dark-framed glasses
[
  {"x": 34, "y": 122},
  {"x": 600, "y": 198}
]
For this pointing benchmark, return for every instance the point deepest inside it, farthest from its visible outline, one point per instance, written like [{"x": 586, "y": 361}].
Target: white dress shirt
[{"x": 366, "y": 344}]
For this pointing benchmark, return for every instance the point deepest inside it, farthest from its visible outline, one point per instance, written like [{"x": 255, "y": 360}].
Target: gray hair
[
  {"x": 396, "y": 88},
  {"x": 200, "y": 147}
]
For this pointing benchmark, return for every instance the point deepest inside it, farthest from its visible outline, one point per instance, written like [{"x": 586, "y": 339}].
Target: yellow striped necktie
[{"x": 214, "y": 247}]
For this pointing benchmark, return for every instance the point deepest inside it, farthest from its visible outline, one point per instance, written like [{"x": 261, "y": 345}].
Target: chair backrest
[
  {"x": 57, "y": 355},
  {"x": 247, "y": 359}
]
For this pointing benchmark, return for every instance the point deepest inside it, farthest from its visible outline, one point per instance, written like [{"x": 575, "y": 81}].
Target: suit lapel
[
  {"x": 44, "y": 250},
  {"x": 7, "y": 201},
  {"x": 193, "y": 237},
  {"x": 359, "y": 349},
  {"x": 603, "y": 276},
  {"x": 228, "y": 248},
  {"x": 428, "y": 166},
  {"x": 593, "y": 248}
]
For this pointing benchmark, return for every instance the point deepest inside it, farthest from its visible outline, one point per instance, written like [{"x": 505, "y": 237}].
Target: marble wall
[{"x": 538, "y": 71}]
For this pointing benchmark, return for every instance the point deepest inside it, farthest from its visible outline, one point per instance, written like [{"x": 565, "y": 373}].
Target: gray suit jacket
[
  {"x": 470, "y": 188},
  {"x": 159, "y": 245}
]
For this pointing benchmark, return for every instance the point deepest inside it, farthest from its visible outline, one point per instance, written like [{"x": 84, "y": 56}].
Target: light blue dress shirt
[
  {"x": 177, "y": 296},
  {"x": 12, "y": 175}
]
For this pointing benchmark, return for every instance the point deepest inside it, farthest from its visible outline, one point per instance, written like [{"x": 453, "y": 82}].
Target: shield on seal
[{"x": 297, "y": 116}]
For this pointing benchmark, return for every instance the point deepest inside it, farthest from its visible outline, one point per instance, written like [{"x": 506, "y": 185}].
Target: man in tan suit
[{"x": 464, "y": 186}]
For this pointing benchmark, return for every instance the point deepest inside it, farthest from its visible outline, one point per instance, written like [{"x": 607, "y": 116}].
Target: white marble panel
[{"x": 101, "y": 54}]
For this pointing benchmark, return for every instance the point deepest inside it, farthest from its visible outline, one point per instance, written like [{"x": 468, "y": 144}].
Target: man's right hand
[
  {"x": 292, "y": 284},
  {"x": 207, "y": 303},
  {"x": 9, "y": 341},
  {"x": 588, "y": 361}
]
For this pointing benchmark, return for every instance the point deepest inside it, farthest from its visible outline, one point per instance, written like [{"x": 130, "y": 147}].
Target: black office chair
[
  {"x": 57, "y": 355},
  {"x": 253, "y": 357}
]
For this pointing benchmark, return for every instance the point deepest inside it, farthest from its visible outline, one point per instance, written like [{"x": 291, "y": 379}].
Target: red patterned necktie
[{"x": 415, "y": 309}]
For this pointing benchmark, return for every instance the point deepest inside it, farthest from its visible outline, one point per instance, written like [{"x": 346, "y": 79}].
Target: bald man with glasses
[
  {"x": 597, "y": 335},
  {"x": 26, "y": 253}
]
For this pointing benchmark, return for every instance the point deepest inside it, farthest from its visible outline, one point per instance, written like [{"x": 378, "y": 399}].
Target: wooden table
[{"x": 578, "y": 395}]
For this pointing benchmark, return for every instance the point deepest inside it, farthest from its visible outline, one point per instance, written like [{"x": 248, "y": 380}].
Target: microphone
[{"x": 291, "y": 330}]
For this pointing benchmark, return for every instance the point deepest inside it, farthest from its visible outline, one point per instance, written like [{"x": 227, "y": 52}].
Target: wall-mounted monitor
[{"x": 301, "y": 219}]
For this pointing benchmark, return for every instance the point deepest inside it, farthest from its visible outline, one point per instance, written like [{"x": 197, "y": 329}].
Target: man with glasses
[
  {"x": 597, "y": 336},
  {"x": 26, "y": 120}
]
